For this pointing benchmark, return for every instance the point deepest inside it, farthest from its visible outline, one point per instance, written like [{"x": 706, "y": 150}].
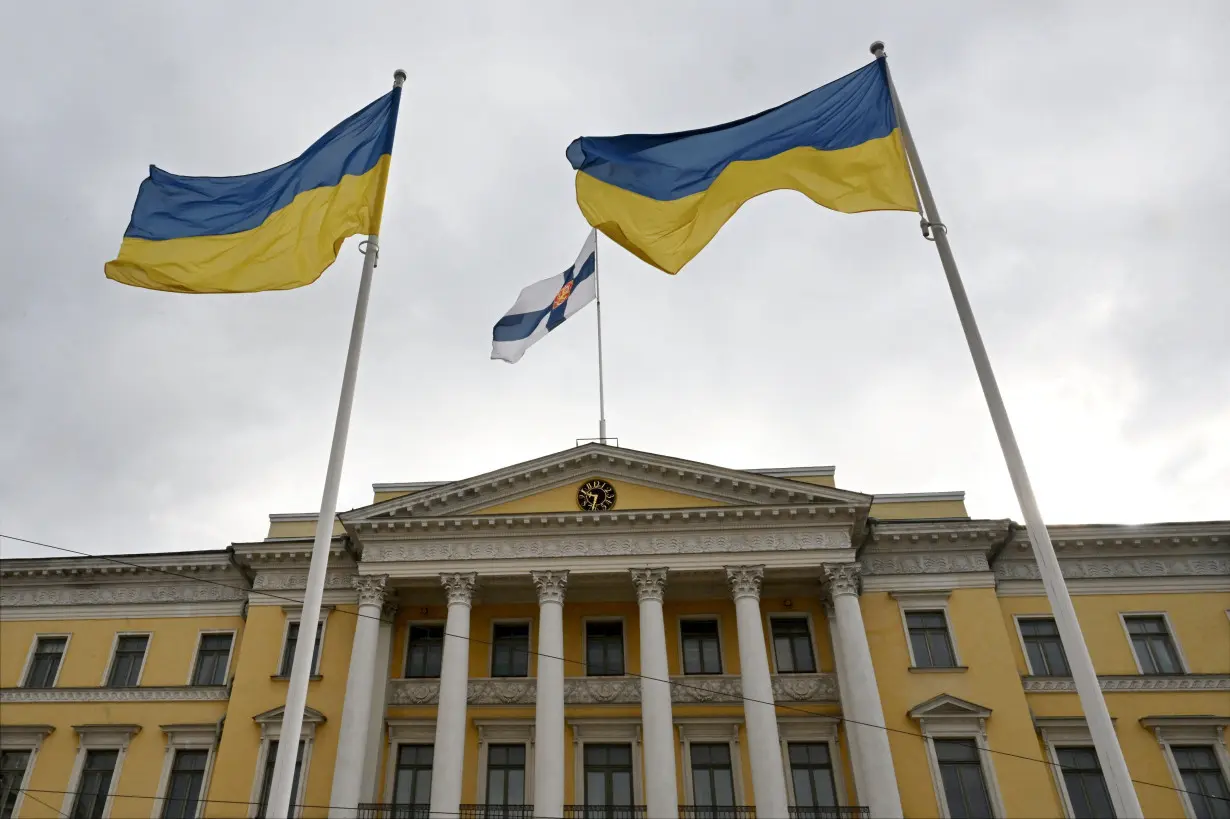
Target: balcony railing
[
  {"x": 497, "y": 811},
  {"x": 604, "y": 812},
  {"x": 717, "y": 812},
  {"x": 843, "y": 812},
  {"x": 383, "y": 810}
]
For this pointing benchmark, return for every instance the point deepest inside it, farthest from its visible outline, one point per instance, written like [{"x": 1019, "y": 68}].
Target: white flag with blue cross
[{"x": 545, "y": 305}]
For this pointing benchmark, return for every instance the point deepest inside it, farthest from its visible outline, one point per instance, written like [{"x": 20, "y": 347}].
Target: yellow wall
[
  {"x": 627, "y": 496},
  {"x": 299, "y": 528},
  {"x": 899, "y": 510}
]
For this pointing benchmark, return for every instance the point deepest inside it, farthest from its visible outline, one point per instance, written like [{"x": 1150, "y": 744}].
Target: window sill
[
  {"x": 813, "y": 672},
  {"x": 286, "y": 678},
  {"x": 940, "y": 669}
]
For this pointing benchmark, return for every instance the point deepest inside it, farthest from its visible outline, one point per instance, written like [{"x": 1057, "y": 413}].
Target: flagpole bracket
[
  {"x": 927, "y": 227},
  {"x": 367, "y": 244}
]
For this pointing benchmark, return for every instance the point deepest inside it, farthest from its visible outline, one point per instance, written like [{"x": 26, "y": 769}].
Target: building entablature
[{"x": 279, "y": 570}]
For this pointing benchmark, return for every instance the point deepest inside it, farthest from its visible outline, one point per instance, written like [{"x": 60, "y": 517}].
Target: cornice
[
  {"x": 169, "y": 693},
  {"x": 94, "y": 569},
  {"x": 162, "y": 590},
  {"x": 288, "y": 553},
  {"x": 1134, "y": 683}
]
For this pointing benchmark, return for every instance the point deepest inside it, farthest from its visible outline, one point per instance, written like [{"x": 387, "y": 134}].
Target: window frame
[
  {"x": 98, "y": 738},
  {"x": 928, "y": 602},
  {"x": 614, "y": 731},
  {"x": 1064, "y": 732},
  {"x": 404, "y": 732},
  {"x": 320, "y": 655},
  {"x": 405, "y": 656},
  {"x": 806, "y": 617},
  {"x": 25, "y": 669},
  {"x": 717, "y": 618},
  {"x": 1124, "y": 616},
  {"x": 1190, "y": 731},
  {"x": 972, "y": 724},
  {"x": 813, "y": 730},
  {"x": 531, "y": 668},
  {"x": 504, "y": 732},
  {"x": 230, "y": 657},
  {"x": 271, "y": 729},
  {"x": 192, "y": 737},
  {"x": 623, "y": 637},
  {"x": 27, "y": 738},
  {"x": 115, "y": 644},
  {"x": 710, "y": 731},
  {"x": 1029, "y": 668}
]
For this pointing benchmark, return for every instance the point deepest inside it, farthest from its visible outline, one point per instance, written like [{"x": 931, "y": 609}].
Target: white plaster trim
[
  {"x": 1179, "y": 730},
  {"x": 230, "y": 655},
  {"x": 806, "y": 617},
  {"x": 530, "y": 663},
  {"x": 25, "y": 669},
  {"x": 792, "y": 471},
  {"x": 623, "y": 636},
  {"x": 404, "y": 732},
  {"x": 406, "y": 486},
  {"x": 1133, "y": 682},
  {"x": 618, "y": 731},
  {"x": 710, "y": 731},
  {"x": 927, "y": 582},
  {"x": 1118, "y": 585},
  {"x": 927, "y": 601},
  {"x": 186, "y": 737},
  {"x": 98, "y": 738},
  {"x": 1170, "y": 632},
  {"x": 134, "y": 611},
  {"x": 24, "y": 738},
  {"x": 810, "y": 730},
  {"x": 115, "y": 641},
  {"x": 679, "y": 620},
  {"x": 917, "y": 497},
  {"x": 504, "y": 732},
  {"x": 164, "y": 693},
  {"x": 113, "y": 592},
  {"x": 961, "y": 727}
]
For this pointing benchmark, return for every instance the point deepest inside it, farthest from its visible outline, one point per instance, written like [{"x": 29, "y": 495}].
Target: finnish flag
[{"x": 545, "y": 305}]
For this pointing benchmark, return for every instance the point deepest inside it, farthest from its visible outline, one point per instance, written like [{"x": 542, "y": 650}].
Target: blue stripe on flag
[
  {"x": 518, "y": 325},
  {"x": 558, "y": 313}
]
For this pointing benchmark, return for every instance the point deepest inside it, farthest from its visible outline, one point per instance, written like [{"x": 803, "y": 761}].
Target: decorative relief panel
[
  {"x": 1178, "y": 682},
  {"x": 925, "y": 564},
  {"x": 123, "y": 594},
  {"x": 1120, "y": 567},
  {"x": 151, "y": 694},
  {"x": 298, "y": 580},
  {"x": 581, "y": 546}
]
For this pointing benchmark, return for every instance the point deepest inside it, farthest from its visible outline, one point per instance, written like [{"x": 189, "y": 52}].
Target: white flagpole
[
  {"x": 280, "y": 796},
  {"x": 1114, "y": 767},
  {"x": 601, "y": 385}
]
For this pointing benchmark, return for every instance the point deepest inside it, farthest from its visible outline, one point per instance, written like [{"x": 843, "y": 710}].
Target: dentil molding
[
  {"x": 925, "y": 564},
  {"x": 118, "y": 594},
  {"x": 189, "y": 693},
  {"x": 1177, "y": 682}
]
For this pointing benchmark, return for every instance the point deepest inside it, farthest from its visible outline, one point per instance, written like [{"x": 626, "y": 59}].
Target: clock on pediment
[{"x": 596, "y": 495}]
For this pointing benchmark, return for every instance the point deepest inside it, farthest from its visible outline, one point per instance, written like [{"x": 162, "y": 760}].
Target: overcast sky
[{"x": 1078, "y": 152}]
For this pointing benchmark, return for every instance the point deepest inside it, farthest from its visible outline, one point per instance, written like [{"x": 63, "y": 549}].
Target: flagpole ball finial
[
  {"x": 877, "y": 48},
  {"x": 399, "y": 78}
]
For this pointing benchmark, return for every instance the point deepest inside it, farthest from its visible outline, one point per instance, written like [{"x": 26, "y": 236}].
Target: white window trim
[
  {"x": 115, "y": 642},
  {"x": 405, "y": 654},
  {"x": 295, "y": 616},
  {"x": 960, "y": 726},
  {"x": 531, "y": 667},
  {"x": 98, "y": 738},
  {"x": 24, "y": 738},
  {"x": 811, "y": 638},
  {"x": 722, "y": 660},
  {"x": 1020, "y": 636},
  {"x": 623, "y": 632},
  {"x": 928, "y": 601},
  {"x": 1184, "y": 731},
  {"x": 230, "y": 655},
  {"x": 405, "y": 732},
  {"x": 505, "y": 732},
  {"x": 1124, "y": 616},
  {"x": 710, "y": 731},
  {"x": 186, "y": 738},
  {"x": 626, "y": 731},
  {"x": 1064, "y": 732},
  {"x": 271, "y": 729},
  {"x": 813, "y": 730},
  {"x": 25, "y": 669}
]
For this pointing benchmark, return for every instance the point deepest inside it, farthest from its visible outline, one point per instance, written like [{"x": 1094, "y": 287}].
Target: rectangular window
[
  {"x": 45, "y": 664},
  {"x": 412, "y": 782},
  {"x": 1203, "y": 781},
  {"x": 1082, "y": 777},
  {"x": 426, "y": 651},
  {"x": 510, "y": 650},
  {"x": 184, "y": 787},
  {"x": 811, "y": 771},
  {"x": 792, "y": 645},
  {"x": 271, "y": 758},
  {"x": 1044, "y": 648},
  {"x": 1153, "y": 645},
  {"x": 95, "y": 784},
  {"x": 608, "y": 780},
  {"x": 129, "y": 657},
  {"x": 505, "y": 776},
  {"x": 713, "y": 783},
  {"x": 213, "y": 654},
  {"x": 929, "y": 639},
  {"x": 965, "y": 787},
  {"x": 702, "y": 652},
  {"x": 604, "y": 648},
  {"x": 12, "y": 771},
  {"x": 288, "y": 651}
]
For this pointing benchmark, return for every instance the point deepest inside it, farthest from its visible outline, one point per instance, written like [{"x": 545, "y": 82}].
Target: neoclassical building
[{"x": 610, "y": 633}]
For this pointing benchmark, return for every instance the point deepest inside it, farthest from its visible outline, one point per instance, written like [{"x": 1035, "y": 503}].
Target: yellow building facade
[{"x": 609, "y": 633}]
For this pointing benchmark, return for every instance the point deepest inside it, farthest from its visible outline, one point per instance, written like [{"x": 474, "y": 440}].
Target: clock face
[{"x": 596, "y": 495}]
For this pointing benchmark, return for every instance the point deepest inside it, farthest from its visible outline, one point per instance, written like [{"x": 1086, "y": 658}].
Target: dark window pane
[
  {"x": 45, "y": 664},
  {"x": 271, "y": 757},
  {"x": 604, "y": 648},
  {"x": 1085, "y": 784},
  {"x": 126, "y": 664},
  {"x": 510, "y": 650},
  {"x": 1153, "y": 645},
  {"x": 184, "y": 785},
  {"x": 12, "y": 771},
  {"x": 608, "y": 775},
  {"x": 965, "y": 788},
  {"x": 712, "y": 777},
  {"x": 212, "y": 656},
  {"x": 812, "y": 774},
  {"x": 929, "y": 639},
  {"x": 412, "y": 780},
  {"x": 292, "y": 640},
  {"x": 95, "y": 783},
  {"x": 1202, "y": 779},
  {"x": 792, "y": 645},
  {"x": 426, "y": 651},
  {"x": 701, "y": 648},
  {"x": 506, "y": 775}
]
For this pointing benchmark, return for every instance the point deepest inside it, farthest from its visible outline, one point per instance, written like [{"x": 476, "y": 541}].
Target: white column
[
  {"x": 447, "y": 764},
  {"x": 860, "y": 697},
  {"x": 843, "y": 685},
  {"x": 657, "y": 724},
  {"x": 549, "y": 710},
  {"x": 380, "y": 703},
  {"x": 357, "y": 706},
  {"x": 763, "y": 745}
]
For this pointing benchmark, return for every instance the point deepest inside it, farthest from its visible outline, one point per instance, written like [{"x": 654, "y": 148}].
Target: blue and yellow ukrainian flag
[
  {"x": 273, "y": 230},
  {"x": 664, "y": 196}
]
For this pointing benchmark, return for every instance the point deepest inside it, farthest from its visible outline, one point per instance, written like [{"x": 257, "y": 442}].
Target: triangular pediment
[
  {"x": 946, "y": 705},
  {"x": 274, "y": 716},
  {"x": 642, "y": 481}
]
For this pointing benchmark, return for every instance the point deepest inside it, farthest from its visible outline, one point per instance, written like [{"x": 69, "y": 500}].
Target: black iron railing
[
  {"x": 497, "y": 811},
  {"x": 717, "y": 812},
  {"x": 384, "y": 810},
  {"x": 604, "y": 812},
  {"x": 843, "y": 812}
]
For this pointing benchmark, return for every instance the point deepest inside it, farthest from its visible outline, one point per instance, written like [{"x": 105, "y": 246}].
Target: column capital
[
  {"x": 459, "y": 586},
  {"x": 841, "y": 578},
  {"x": 745, "y": 581},
  {"x": 551, "y": 585},
  {"x": 388, "y": 612},
  {"x": 650, "y": 584},
  {"x": 371, "y": 588}
]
